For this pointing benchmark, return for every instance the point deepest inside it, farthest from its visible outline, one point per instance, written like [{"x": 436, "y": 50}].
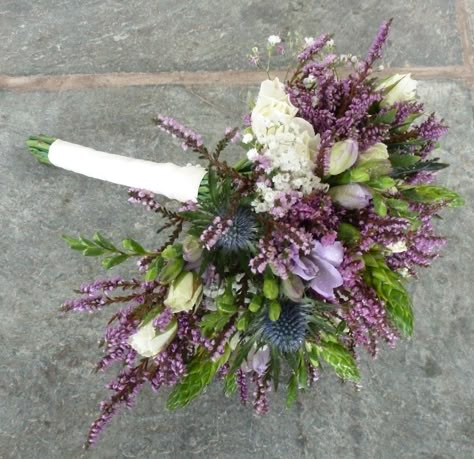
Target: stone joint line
[{"x": 464, "y": 72}]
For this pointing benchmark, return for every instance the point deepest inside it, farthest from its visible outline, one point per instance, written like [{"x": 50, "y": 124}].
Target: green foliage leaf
[
  {"x": 94, "y": 251},
  {"x": 403, "y": 160},
  {"x": 380, "y": 207},
  {"x": 201, "y": 371},
  {"x": 389, "y": 288},
  {"x": 103, "y": 242},
  {"x": 348, "y": 233},
  {"x": 433, "y": 194},
  {"x": 291, "y": 390},
  {"x": 386, "y": 118},
  {"x": 336, "y": 355},
  {"x": 74, "y": 243},
  {"x": 133, "y": 246},
  {"x": 110, "y": 262},
  {"x": 214, "y": 322},
  {"x": 230, "y": 384}
]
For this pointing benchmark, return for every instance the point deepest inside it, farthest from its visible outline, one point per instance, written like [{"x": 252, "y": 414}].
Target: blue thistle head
[
  {"x": 288, "y": 332},
  {"x": 240, "y": 234}
]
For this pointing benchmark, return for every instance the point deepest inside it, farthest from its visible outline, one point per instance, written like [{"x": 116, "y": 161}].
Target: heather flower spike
[{"x": 298, "y": 254}]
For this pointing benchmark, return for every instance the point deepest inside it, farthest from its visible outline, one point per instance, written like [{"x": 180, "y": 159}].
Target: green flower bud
[
  {"x": 171, "y": 270},
  {"x": 274, "y": 310},
  {"x": 256, "y": 303},
  {"x": 270, "y": 287}
]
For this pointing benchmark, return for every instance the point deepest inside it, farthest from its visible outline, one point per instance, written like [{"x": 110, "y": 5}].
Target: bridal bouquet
[{"x": 286, "y": 263}]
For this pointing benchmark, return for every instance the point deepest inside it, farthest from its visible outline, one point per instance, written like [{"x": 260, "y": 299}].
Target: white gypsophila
[
  {"x": 247, "y": 138},
  {"x": 274, "y": 39},
  {"x": 289, "y": 145}
]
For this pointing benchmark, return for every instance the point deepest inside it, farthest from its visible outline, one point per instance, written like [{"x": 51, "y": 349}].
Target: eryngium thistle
[
  {"x": 288, "y": 332},
  {"x": 240, "y": 234}
]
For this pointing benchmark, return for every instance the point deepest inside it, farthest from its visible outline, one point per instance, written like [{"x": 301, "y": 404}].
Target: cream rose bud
[
  {"x": 293, "y": 287},
  {"x": 402, "y": 88},
  {"x": 352, "y": 196},
  {"x": 148, "y": 342},
  {"x": 184, "y": 292},
  {"x": 343, "y": 155},
  {"x": 192, "y": 249}
]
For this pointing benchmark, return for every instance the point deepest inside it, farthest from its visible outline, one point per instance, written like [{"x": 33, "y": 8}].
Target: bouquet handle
[{"x": 170, "y": 180}]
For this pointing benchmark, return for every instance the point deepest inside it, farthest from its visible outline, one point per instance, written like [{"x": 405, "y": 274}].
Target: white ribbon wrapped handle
[{"x": 167, "y": 179}]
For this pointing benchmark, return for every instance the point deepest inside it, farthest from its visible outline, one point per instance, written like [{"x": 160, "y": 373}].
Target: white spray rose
[
  {"x": 352, "y": 196},
  {"x": 184, "y": 292},
  {"x": 343, "y": 155},
  {"x": 272, "y": 109},
  {"x": 148, "y": 342},
  {"x": 403, "y": 89}
]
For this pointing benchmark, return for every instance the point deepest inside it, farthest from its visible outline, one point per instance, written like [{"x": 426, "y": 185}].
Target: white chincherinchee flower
[{"x": 274, "y": 40}]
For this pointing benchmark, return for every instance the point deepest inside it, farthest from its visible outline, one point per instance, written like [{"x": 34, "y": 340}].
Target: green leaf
[
  {"x": 403, "y": 160},
  {"x": 154, "y": 269},
  {"x": 275, "y": 367},
  {"x": 133, "y": 246},
  {"x": 340, "y": 359},
  {"x": 230, "y": 384},
  {"x": 380, "y": 207},
  {"x": 94, "y": 251},
  {"x": 241, "y": 354},
  {"x": 201, "y": 371},
  {"x": 386, "y": 118},
  {"x": 101, "y": 241},
  {"x": 110, "y": 262},
  {"x": 348, "y": 233},
  {"x": 397, "y": 300},
  {"x": 433, "y": 194},
  {"x": 87, "y": 242},
  {"x": 74, "y": 243},
  {"x": 382, "y": 183},
  {"x": 214, "y": 322},
  {"x": 292, "y": 390}
]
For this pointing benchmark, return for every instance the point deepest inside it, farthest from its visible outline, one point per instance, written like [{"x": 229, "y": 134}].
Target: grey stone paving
[
  {"x": 90, "y": 36},
  {"x": 417, "y": 401}
]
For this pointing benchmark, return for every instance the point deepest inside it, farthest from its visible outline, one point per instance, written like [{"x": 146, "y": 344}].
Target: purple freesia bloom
[{"x": 319, "y": 268}]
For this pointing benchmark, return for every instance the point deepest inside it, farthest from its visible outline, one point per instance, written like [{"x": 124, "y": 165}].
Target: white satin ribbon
[{"x": 167, "y": 179}]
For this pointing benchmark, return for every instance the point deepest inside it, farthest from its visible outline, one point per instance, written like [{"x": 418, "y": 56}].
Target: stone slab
[
  {"x": 91, "y": 36},
  {"x": 417, "y": 400}
]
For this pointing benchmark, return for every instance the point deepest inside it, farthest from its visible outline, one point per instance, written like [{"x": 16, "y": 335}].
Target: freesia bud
[
  {"x": 192, "y": 250},
  {"x": 343, "y": 155},
  {"x": 148, "y": 342},
  {"x": 352, "y": 196},
  {"x": 184, "y": 292},
  {"x": 376, "y": 152},
  {"x": 293, "y": 288},
  {"x": 398, "y": 88}
]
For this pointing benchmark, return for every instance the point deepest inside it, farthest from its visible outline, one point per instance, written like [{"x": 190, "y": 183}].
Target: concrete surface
[{"x": 417, "y": 401}]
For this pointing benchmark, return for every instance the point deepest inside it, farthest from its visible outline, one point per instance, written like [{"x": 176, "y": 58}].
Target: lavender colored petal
[
  {"x": 305, "y": 268},
  {"x": 326, "y": 280},
  {"x": 333, "y": 253}
]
